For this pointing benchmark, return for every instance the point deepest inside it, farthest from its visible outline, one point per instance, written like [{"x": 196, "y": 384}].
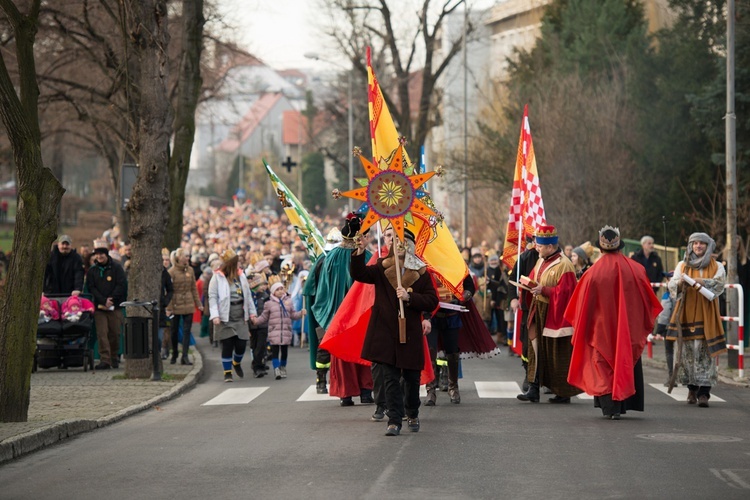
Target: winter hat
[
  {"x": 581, "y": 253},
  {"x": 276, "y": 286}
]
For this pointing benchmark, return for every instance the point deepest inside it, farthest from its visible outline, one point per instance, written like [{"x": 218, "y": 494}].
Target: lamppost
[{"x": 316, "y": 57}]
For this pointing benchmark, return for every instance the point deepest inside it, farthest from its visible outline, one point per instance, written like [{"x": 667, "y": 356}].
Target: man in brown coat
[{"x": 382, "y": 344}]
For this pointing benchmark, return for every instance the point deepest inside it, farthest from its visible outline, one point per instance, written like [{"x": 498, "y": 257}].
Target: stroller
[{"x": 62, "y": 339}]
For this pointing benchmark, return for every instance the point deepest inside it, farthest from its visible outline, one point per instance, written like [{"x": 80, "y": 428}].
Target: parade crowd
[{"x": 379, "y": 322}]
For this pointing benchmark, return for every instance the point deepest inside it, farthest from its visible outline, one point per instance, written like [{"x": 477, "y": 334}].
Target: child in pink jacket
[{"x": 279, "y": 313}]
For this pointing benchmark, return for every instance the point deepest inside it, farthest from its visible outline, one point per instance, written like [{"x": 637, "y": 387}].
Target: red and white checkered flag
[{"x": 526, "y": 205}]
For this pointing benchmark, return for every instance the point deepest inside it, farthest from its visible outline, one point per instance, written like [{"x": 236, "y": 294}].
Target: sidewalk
[
  {"x": 68, "y": 402},
  {"x": 726, "y": 375}
]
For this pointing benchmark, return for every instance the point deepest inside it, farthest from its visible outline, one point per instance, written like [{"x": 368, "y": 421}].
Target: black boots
[
  {"x": 453, "y": 378},
  {"x": 531, "y": 395},
  {"x": 320, "y": 385}
]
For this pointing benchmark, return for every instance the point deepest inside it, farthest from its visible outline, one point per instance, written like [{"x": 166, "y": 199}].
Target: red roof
[
  {"x": 249, "y": 122},
  {"x": 294, "y": 125}
]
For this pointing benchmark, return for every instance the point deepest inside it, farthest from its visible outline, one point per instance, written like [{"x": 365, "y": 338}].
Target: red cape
[
  {"x": 612, "y": 312},
  {"x": 346, "y": 333}
]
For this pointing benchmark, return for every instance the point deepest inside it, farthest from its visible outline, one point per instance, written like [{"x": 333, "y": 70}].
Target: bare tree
[
  {"x": 145, "y": 37},
  {"x": 188, "y": 90},
  {"x": 39, "y": 194},
  {"x": 407, "y": 53}
]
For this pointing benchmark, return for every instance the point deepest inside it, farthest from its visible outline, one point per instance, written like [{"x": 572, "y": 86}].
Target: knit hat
[
  {"x": 261, "y": 265},
  {"x": 581, "y": 253},
  {"x": 276, "y": 286}
]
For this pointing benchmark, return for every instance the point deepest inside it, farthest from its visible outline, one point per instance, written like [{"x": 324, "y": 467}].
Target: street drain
[{"x": 689, "y": 438}]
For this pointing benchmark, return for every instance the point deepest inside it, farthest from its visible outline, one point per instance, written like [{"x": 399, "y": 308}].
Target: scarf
[{"x": 693, "y": 260}]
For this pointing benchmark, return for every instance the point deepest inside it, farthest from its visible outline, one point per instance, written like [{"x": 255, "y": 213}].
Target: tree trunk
[
  {"x": 188, "y": 90},
  {"x": 39, "y": 194},
  {"x": 146, "y": 40}
]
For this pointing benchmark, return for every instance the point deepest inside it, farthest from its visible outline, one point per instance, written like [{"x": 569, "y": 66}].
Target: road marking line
[
  {"x": 496, "y": 390},
  {"x": 680, "y": 393},
  {"x": 236, "y": 396},
  {"x": 311, "y": 394}
]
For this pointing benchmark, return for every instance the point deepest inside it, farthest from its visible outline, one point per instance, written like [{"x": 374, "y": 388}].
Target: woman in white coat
[{"x": 231, "y": 304}]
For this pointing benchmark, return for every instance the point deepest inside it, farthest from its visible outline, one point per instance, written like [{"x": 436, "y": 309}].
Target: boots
[
  {"x": 453, "y": 378},
  {"x": 531, "y": 395},
  {"x": 431, "y": 394},
  {"x": 443, "y": 382},
  {"x": 320, "y": 385}
]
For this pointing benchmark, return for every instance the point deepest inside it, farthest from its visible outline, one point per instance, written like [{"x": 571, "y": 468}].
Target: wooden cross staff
[{"x": 401, "y": 316}]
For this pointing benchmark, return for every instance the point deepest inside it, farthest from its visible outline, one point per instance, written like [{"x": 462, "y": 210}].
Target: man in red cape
[{"x": 612, "y": 312}]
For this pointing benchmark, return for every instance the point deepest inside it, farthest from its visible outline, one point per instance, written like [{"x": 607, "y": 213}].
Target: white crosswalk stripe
[
  {"x": 497, "y": 389},
  {"x": 485, "y": 390},
  {"x": 240, "y": 396},
  {"x": 311, "y": 394},
  {"x": 681, "y": 393}
]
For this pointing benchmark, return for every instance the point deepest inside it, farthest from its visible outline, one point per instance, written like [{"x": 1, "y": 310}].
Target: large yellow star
[{"x": 390, "y": 193}]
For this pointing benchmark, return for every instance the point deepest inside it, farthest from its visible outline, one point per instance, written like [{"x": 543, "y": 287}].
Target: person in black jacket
[
  {"x": 64, "y": 271},
  {"x": 526, "y": 263},
  {"x": 259, "y": 333},
  {"x": 107, "y": 284},
  {"x": 167, "y": 290},
  {"x": 650, "y": 261}
]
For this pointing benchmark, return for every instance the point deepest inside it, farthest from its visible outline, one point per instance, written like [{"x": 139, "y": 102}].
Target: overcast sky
[{"x": 281, "y": 31}]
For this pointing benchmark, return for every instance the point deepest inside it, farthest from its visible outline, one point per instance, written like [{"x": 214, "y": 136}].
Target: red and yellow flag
[
  {"x": 434, "y": 243},
  {"x": 526, "y": 205}
]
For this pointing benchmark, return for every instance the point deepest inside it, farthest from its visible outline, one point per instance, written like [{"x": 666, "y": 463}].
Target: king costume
[
  {"x": 549, "y": 332},
  {"x": 612, "y": 312}
]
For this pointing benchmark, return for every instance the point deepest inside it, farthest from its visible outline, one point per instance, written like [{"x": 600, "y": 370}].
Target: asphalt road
[{"x": 276, "y": 446}]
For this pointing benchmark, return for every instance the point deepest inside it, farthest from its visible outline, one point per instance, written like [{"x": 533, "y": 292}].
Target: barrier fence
[{"x": 740, "y": 319}]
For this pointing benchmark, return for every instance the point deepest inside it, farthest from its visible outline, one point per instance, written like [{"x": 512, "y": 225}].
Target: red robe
[
  {"x": 345, "y": 336},
  {"x": 612, "y": 312}
]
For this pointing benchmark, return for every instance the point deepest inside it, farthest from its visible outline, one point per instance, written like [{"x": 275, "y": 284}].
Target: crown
[
  {"x": 546, "y": 235},
  {"x": 609, "y": 238},
  {"x": 255, "y": 257},
  {"x": 228, "y": 255},
  {"x": 273, "y": 279}
]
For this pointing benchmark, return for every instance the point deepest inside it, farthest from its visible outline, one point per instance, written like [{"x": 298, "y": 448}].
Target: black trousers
[
  {"x": 378, "y": 384},
  {"x": 400, "y": 401},
  {"x": 187, "y": 324},
  {"x": 258, "y": 339}
]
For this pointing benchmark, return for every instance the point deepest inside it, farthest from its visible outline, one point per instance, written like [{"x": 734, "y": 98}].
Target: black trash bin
[{"x": 136, "y": 337}]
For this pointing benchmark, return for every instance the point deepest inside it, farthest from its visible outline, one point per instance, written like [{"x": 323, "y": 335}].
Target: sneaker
[
  {"x": 259, "y": 374},
  {"x": 238, "y": 369},
  {"x": 413, "y": 424},
  {"x": 228, "y": 377},
  {"x": 277, "y": 373},
  {"x": 392, "y": 430},
  {"x": 282, "y": 369},
  {"x": 379, "y": 414}
]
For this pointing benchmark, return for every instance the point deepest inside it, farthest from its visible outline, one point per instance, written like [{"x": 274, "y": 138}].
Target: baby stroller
[{"x": 62, "y": 340}]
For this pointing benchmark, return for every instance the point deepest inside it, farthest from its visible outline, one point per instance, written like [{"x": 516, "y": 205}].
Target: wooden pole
[{"x": 401, "y": 316}]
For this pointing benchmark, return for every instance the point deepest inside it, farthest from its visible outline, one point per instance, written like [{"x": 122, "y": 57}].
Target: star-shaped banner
[{"x": 391, "y": 193}]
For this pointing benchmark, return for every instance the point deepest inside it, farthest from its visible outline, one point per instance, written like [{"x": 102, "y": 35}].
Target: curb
[{"x": 28, "y": 442}]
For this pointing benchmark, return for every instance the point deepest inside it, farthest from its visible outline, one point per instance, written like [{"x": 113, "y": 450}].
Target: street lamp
[{"x": 316, "y": 57}]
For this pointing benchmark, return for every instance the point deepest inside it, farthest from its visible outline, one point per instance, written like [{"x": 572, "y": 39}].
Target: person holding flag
[{"x": 398, "y": 360}]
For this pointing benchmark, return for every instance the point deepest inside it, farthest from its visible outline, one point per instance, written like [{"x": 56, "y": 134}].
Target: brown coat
[
  {"x": 185, "y": 298},
  {"x": 381, "y": 342}
]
